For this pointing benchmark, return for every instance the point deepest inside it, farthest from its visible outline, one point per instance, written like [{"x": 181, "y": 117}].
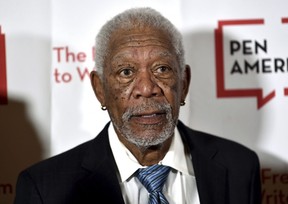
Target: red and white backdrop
[{"x": 238, "y": 53}]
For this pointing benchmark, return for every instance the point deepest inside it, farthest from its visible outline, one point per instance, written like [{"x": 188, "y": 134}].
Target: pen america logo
[
  {"x": 3, "y": 76},
  {"x": 257, "y": 54}
]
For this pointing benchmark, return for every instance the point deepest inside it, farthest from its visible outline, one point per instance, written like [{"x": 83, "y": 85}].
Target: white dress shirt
[{"x": 180, "y": 186}]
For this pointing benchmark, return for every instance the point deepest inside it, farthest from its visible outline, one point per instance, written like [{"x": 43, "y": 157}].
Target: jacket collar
[
  {"x": 211, "y": 176},
  {"x": 101, "y": 182}
]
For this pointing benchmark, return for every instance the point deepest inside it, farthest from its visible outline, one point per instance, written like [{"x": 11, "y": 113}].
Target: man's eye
[
  {"x": 162, "y": 69},
  {"x": 126, "y": 72}
]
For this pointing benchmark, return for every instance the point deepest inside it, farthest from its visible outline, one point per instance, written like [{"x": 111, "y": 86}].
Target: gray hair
[{"x": 136, "y": 18}]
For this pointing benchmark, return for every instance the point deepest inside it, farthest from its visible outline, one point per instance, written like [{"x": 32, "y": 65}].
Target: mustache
[{"x": 151, "y": 105}]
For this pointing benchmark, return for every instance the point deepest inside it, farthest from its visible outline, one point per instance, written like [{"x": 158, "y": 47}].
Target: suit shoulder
[
  {"x": 62, "y": 162},
  {"x": 70, "y": 159},
  {"x": 224, "y": 146}
]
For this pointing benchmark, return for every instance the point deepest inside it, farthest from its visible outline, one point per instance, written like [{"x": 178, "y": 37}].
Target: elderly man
[{"x": 145, "y": 155}]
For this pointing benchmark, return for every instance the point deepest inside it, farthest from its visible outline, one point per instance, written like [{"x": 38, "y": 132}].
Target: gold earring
[
  {"x": 183, "y": 103},
  {"x": 103, "y": 107}
]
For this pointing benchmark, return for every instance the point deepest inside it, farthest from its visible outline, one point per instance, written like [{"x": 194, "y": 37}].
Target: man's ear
[
  {"x": 97, "y": 86},
  {"x": 186, "y": 81}
]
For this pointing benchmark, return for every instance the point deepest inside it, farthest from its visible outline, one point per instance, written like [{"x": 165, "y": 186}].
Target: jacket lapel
[
  {"x": 211, "y": 176},
  {"x": 100, "y": 182}
]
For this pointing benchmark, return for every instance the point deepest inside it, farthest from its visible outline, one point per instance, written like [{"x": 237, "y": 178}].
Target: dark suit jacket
[{"x": 226, "y": 172}]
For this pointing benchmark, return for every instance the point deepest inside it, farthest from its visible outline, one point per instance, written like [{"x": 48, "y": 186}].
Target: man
[{"x": 142, "y": 80}]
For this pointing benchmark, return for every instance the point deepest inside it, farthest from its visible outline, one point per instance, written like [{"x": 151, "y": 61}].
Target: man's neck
[{"x": 147, "y": 156}]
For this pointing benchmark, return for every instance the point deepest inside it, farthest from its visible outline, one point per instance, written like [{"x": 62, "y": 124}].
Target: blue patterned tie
[{"x": 153, "y": 178}]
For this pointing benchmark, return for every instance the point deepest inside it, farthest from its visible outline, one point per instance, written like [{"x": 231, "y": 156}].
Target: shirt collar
[{"x": 127, "y": 164}]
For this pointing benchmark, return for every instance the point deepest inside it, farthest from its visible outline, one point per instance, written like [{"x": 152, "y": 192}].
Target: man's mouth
[{"x": 149, "y": 118}]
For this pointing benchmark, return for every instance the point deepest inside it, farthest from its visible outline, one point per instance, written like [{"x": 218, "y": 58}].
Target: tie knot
[{"x": 153, "y": 177}]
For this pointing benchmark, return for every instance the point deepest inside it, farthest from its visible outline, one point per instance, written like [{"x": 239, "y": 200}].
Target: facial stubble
[{"x": 151, "y": 136}]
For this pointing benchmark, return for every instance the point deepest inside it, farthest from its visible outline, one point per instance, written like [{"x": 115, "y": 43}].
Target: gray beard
[{"x": 145, "y": 139}]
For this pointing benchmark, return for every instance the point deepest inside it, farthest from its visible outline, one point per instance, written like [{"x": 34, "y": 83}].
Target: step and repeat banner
[{"x": 238, "y": 53}]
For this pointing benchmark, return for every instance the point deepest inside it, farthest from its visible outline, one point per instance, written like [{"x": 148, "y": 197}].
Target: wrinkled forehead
[
  {"x": 153, "y": 53},
  {"x": 140, "y": 38}
]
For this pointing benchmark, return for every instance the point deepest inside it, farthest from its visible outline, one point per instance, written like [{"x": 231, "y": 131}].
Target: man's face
[{"x": 143, "y": 86}]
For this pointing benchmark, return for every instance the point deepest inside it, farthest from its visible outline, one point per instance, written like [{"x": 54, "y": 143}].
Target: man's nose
[{"x": 146, "y": 85}]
